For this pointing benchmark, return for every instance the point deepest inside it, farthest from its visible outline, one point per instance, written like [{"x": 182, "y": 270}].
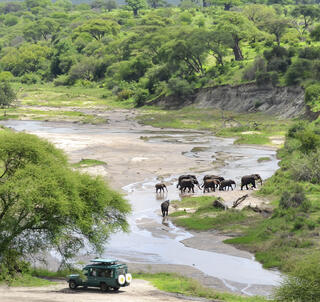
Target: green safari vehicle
[{"x": 104, "y": 273}]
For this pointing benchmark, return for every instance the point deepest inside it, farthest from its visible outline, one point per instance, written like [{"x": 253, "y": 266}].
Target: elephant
[
  {"x": 210, "y": 184},
  {"x": 160, "y": 187},
  {"x": 165, "y": 208},
  {"x": 187, "y": 183},
  {"x": 220, "y": 178},
  {"x": 193, "y": 177},
  {"x": 250, "y": 179},
  {"x": 227, "y": 183}
]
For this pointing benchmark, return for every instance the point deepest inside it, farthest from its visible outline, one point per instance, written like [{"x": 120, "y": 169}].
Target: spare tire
[
  {"x": 121, "y": 279},
  {"x": 128, "y": 278}
]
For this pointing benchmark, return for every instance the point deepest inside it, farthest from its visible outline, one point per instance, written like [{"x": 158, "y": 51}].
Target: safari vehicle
[{"x": 104, "y": 273}]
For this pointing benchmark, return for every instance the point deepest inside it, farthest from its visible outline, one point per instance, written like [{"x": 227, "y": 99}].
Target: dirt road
[{"x": 138, "y": 291}]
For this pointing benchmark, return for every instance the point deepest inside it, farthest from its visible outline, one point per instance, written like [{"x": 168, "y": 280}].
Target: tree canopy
[{"x": 44, "y": 204}]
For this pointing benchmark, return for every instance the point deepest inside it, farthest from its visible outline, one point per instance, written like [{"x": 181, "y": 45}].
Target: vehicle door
[
  {"x": 105, "y": 275},
  {"x": 92, "y": 277}
]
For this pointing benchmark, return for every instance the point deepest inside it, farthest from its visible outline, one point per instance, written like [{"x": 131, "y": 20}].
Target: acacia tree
[
  {"x": 44, "y": 204},
  {"x": 309, "y": 13},
  {"x": 98, "y": 28},
  {"x": 237, "y": 28},
  {"x": 136, "y": 5}
]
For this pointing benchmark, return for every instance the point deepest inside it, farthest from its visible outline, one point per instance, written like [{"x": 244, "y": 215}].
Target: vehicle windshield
[{"x": 121, "y": 271}]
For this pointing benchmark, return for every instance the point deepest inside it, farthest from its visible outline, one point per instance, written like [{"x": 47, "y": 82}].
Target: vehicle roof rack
[{"x": 104, "y": 260}]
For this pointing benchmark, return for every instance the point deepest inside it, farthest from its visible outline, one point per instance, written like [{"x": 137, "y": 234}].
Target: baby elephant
[
  {"x": 165, "y": 208},
  {"x": 227, "y": 184},
  {"x": 160, "y": 187}
]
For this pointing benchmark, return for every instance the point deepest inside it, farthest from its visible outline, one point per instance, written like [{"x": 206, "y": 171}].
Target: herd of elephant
[{"x": 210, "y": 183}]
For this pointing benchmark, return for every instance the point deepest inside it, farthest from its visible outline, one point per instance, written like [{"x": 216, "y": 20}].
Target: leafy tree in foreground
[
  {"x": 7, "y": 95},
  {"x": 44, "y": 204}
]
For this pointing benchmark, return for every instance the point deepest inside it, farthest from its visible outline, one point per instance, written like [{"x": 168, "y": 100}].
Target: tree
[
  {"x": 136, "y": 5},
  {"x": 98, "y": 28},
  {"x": 278, "y": 27},
  {"x": 259, "y": 14},
  {"x": 237, "y": 28},
  {"x": 227, "y": 4},
  {"x": 7, "y": 95},
  {"x": 44, "y": 204},
  {"x": 309, "y": 13}
]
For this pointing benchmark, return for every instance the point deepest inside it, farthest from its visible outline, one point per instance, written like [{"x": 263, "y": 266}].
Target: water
[{"x": 149, "y": 241}]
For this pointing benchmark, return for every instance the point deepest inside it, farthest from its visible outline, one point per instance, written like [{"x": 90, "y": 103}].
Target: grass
[
  {"x": 27, "y": 280},
  {"x": 174, "y": 283},
  {"x": 263, "y": 159},
  {"x": 205, "y": 217},
  {"x": 87, "y": 162},
  {"x": 62, "y": 96}
]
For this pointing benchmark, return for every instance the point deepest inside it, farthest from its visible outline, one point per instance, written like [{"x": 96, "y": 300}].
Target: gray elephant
[
  {"x": 160, "y": 188},
  {"x": 250, "y": 179},
  {"x": 189, "y": 176},
  {"x": 187, "y": 183},
  {"x": 210, "y": 184},
  {"x": 220, "y": 178},
  {"x": 165, "y": 208},
  {"x": 227, "y": 184}
]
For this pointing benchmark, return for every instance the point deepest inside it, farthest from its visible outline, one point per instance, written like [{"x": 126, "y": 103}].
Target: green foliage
[
  {"x": 302, "y": 284},
  {"x": 7, "y": 95},
  {"x": 44, "y": 204},
  {"x": 312, "y": 97}
]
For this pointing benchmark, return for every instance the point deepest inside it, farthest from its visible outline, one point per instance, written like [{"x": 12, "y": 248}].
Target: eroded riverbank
[{"x": 136, "y": 157}]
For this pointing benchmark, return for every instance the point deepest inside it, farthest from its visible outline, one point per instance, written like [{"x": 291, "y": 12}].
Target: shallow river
[{"x": 164, "y": 246}]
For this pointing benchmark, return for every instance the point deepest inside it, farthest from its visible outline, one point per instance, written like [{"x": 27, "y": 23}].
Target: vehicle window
[
  {"x": 121, "y": 271},
  {"x": 85, "y": 271},
  {"x": 93, "y": 272}
]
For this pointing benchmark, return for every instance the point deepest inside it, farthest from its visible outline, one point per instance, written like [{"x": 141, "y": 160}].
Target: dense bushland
[{"x": 139, "y": 53}]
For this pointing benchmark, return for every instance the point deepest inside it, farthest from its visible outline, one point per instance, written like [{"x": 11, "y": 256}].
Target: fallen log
[{"x": 239, "y": 200}]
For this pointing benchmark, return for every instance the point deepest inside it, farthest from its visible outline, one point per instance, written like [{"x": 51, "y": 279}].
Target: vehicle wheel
[
  {"x": 115, "y": 289},
  {"x": 72, "y": 284},
  {"x": 103, "y": 287}
]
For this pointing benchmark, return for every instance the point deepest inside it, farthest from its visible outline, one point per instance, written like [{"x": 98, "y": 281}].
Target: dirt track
[{"x": 138, "y": 291}]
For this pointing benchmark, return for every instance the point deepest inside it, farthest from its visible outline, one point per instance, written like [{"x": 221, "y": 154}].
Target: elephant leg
[{"x": 247, "y": 186}]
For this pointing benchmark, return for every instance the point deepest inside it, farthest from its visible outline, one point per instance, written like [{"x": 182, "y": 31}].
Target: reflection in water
[{"x": 156, "y": 240}]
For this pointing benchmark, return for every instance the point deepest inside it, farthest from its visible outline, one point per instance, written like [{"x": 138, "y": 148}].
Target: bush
[
  {"x": 258, "y": 65},
  {"x": 140, "y": 96},
  {"x": 179, "y": 86},
  {"x": 292, "y": 199},
  {"x": 299, "y": 70},
  {"x": 310, "y": 53},
  {"x": 265, "y": 78},
  {"x": 62, "y": 80},
  {"x": 312, "y": 97},
  {"x": 30, "y": 78},
  {"x": 315, "y": 33},
  {"x": 303, "y": 284},
  {"x": 6, "y": 76}
]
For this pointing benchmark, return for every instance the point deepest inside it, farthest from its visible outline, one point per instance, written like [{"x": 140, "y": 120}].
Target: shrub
[
  {"x": 303, "y": 284},
  {"x": 6, "y": 76},
  {"x": 62, "y": 80},
  {"x": 30, "y": 78},
  {"x": 310, "y": 53},
  {"x": 140, "y": 96},
  {"x": 258, "y": 65},
  {"x": 312, "y": 97},
  {"x": 179, "y": 86},
  {"x": 315, "y": 33},
  {"x": 299, "y": 70},
  {"x": 292, "y": 199}
]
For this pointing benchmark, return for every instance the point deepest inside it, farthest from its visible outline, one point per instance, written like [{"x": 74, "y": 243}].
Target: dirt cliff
[{"x": 285, "y": 102}]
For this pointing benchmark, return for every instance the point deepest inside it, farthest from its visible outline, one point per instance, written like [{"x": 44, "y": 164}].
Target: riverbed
[{"x": 139, "y": 156}]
